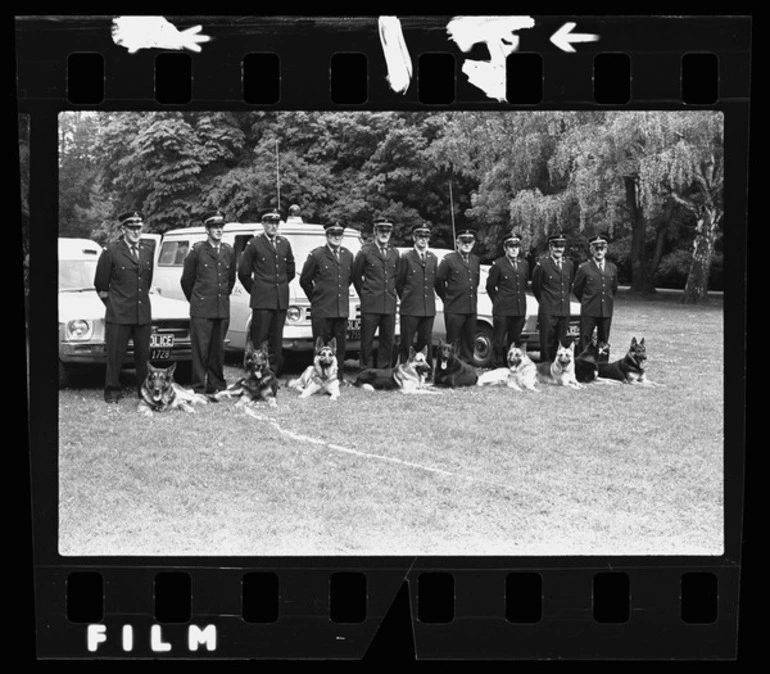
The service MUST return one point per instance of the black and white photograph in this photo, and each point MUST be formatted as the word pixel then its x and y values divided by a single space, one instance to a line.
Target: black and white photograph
pixel 386 333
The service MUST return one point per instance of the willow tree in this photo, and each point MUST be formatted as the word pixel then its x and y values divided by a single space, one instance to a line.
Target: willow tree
pixel 633 170
pixel 690 171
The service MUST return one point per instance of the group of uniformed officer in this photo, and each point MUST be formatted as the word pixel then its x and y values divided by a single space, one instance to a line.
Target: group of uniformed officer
pixel 383 279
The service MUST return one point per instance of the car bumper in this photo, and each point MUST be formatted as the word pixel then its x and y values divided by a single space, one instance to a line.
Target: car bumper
pixel 96 353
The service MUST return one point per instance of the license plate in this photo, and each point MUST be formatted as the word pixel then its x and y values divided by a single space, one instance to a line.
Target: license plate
pixel 160 354
pixel 573 331
pixel 354 329
pixel 160 341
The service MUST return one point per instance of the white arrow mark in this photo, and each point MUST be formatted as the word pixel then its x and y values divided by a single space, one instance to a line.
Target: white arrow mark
pixel 563 37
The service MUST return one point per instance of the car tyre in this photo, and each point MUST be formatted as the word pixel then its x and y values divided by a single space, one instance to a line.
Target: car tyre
pixel 483 346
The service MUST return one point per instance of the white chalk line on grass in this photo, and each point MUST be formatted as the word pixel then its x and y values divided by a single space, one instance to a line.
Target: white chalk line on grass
pixel 369 455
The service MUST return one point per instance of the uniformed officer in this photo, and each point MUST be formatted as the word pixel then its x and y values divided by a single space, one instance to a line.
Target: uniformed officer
pixel 265 270
pixel 325 279
pixel 122 280
pixel 506 287
pixel 207 280
pixel 375 270
pixel 595 286
pixel 551 285
pixel 457 281
pixel 416 289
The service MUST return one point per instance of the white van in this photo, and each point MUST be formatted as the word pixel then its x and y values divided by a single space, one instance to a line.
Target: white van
pixel 303 236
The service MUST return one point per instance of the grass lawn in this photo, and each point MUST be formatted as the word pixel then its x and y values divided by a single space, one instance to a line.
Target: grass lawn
pixel 480 471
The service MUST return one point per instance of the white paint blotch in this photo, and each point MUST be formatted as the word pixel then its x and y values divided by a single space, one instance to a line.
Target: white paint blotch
pixel 499 35
pixel 397 59
pixel 154 32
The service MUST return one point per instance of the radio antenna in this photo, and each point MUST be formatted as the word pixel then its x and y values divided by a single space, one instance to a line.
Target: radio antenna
pixel 452 205
pixel 277 176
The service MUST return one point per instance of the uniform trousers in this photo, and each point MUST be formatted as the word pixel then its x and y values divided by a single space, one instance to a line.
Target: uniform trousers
pixel 267 325
pixel 422 327
pixel 116 336
pixel 587 325
pixel 207 339
pixel 386 325
pixel 506 330
pixel 461 330
pixel 553 331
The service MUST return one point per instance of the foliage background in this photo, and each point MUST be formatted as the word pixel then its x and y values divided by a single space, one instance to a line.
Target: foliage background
pixel 652 180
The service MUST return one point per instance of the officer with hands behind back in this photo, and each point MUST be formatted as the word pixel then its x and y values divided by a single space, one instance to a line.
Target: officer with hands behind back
pixel 207 281
pixel 122 280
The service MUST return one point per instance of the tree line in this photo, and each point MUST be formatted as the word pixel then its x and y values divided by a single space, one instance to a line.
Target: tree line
pixel 653 181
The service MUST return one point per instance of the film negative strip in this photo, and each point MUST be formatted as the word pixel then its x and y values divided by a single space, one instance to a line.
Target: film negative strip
pixel 591 519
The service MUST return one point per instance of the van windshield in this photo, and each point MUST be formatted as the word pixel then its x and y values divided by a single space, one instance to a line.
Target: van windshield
pixel 76 275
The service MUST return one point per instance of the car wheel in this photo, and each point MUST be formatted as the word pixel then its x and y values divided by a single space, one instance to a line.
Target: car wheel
pixel 483 346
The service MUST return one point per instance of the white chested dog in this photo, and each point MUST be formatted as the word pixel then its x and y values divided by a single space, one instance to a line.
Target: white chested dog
pixel 520 375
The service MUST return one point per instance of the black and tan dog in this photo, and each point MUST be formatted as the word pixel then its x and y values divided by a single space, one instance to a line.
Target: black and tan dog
pixel 561 371
pixel 323 375
pixel 406 377
pixel 259 384
pixel 450 371
pixel 588 360
pixel 159 392
pixel 631 369
pixel 520 375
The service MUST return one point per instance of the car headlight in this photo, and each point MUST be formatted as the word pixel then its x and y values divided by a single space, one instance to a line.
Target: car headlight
pixel 294 314
pixel 79 330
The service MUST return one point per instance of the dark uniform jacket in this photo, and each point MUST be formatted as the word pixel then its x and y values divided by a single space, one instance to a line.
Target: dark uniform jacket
pixel 266 271
pixel 123 284
pixel 208 279
pixel 507 285
pixel 457 283
pixel 552 287
pixel 595 290
pixel 416 284
pixel 374 277
pixel 327 282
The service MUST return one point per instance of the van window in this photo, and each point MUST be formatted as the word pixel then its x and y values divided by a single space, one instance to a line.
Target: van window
pixel 173 253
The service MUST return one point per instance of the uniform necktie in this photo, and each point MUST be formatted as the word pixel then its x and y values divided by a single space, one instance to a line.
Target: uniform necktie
pixel 134 252
pixel 422 258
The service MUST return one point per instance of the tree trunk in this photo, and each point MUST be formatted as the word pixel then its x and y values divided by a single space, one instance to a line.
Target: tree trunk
pixel 696 288
pixel 640 281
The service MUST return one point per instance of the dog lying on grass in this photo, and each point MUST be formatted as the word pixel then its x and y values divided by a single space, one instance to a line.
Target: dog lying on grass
pixel 450 371
pixel 160 393
pixel 631 369
pixel 323 375
pixel 406 377
pixel 561 371
pixel 260 383
pixel 520 375
pixel 588 360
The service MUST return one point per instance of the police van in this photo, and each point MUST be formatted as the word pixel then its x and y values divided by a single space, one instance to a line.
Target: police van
pixel 173 247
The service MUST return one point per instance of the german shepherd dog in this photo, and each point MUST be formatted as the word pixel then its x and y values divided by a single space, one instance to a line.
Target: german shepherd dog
pixel 588 360
pixel 322 375
pixel 159 392
pixel 561 371
pixel 450 371
pixel 631 369
pixel 259 384
pixel 520 374
pixel 406 377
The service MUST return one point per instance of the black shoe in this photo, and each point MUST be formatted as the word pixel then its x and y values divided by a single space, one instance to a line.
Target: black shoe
pixel 111 396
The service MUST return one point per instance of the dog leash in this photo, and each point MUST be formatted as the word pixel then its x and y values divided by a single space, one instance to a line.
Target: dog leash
pixel 340 448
